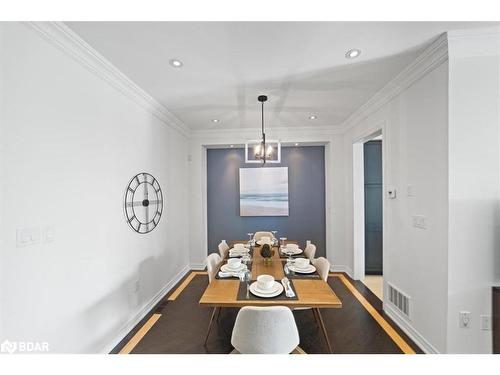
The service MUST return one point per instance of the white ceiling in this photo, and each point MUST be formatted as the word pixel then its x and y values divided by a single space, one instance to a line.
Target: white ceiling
pixel 300 65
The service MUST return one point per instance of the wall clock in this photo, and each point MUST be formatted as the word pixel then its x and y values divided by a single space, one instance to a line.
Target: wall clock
pixel 143 203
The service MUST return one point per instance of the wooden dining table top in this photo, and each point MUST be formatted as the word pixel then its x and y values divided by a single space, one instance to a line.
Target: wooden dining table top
pixel 310 292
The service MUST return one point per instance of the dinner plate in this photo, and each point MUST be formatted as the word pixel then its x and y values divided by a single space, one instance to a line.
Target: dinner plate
pixel 226 268
pixel 276 290
pixel 259 242
pixel 291 251
pixel 244 250
pixel 309 269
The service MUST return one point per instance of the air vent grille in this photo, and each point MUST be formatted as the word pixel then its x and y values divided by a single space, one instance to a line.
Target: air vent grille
pixel 400 300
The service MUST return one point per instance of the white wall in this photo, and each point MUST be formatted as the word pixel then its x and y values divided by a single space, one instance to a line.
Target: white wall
pixel 414 125
pixel 474 184
pixel 69 144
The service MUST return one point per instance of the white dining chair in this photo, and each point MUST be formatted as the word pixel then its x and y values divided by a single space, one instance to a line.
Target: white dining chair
pixel 223 249
pixel 310 251
pixel 265 330
pixel 213 261
pixel 322 267
pixel 258 235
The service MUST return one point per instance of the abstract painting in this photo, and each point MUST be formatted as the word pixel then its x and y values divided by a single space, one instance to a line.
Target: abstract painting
pixel 264 191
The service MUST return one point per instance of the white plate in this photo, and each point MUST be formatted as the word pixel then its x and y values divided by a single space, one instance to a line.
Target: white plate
pixel 309 269
pixel 244 250
pixel 291 251
pixel 226 268
pixel 276 290
pixel 262 243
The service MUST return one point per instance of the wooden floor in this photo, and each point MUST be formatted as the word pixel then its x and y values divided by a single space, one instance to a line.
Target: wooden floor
pixel 178 324
pixel 376 284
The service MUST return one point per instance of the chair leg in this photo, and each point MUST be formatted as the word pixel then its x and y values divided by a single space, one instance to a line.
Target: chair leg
pixel 298 350
pixel 210 325
pixel 218 314
pixel 324 330
pixel 316 318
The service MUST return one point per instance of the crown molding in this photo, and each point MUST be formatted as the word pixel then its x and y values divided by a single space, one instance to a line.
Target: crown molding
pixel 430 58
pixel 481 32
pixel 73 45
pixel 276 132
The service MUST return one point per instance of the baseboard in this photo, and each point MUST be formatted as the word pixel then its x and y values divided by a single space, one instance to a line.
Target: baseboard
pixel 412 333
pixel 145 310
pixel 340 268
pixel 197 266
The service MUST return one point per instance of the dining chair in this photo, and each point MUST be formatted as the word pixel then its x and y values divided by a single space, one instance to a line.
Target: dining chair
pixel 265 330
pixel 258 235
pixel 213 261
pixel 310 251
pixel 223 249
pixel 322 267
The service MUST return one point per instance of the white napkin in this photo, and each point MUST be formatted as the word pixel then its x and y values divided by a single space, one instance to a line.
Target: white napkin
pixel 288 289
pixel 228 274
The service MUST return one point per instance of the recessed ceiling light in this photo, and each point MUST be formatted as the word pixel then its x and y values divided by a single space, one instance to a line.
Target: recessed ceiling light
pixel 176 63
pixel 313 117
pixel 232 146
pixel 215 120
pixel 352 53
pixel 296 144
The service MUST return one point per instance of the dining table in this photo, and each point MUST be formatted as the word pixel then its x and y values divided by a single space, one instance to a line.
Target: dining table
pixel 311 291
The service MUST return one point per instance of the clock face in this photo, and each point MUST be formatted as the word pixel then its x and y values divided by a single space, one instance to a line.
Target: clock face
pixel 143 203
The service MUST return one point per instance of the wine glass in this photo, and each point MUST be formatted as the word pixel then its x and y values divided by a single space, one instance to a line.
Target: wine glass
pixel 275 240
pixel 250 236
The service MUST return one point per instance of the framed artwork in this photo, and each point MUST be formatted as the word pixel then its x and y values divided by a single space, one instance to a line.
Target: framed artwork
pixel 264 191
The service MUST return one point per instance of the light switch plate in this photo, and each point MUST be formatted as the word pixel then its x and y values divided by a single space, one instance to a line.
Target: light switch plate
pixel 28 236
pixel 48 233
pixel 485 321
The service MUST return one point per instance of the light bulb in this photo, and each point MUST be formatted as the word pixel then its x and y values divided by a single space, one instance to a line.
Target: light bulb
pixel 269 150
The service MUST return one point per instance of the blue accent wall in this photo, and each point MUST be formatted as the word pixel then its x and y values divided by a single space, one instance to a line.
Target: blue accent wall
pixel 306 194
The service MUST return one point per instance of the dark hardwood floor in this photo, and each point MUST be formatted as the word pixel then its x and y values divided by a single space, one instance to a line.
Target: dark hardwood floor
pixel 183 323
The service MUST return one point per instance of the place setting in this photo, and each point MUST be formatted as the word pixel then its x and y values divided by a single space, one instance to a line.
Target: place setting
pixel 266 287
pixel 290 251
pixel 239 250
pixel 300 268
pixel 233 268
pixel 265 240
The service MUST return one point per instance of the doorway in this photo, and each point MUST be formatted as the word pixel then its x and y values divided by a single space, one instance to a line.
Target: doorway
pixel 368 212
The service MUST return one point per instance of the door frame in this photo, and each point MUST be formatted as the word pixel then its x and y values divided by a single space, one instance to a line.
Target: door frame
pixel 358 190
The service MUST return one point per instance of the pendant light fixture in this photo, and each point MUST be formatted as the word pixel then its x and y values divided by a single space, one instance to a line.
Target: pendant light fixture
pixel 262 150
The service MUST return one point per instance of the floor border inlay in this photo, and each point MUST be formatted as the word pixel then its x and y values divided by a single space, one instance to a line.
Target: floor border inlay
pixel 391 332
pixel 388 329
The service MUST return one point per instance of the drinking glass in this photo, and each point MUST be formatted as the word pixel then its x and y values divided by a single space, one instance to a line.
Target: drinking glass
pixel 250 235
pixel 275 240
pixel 282 241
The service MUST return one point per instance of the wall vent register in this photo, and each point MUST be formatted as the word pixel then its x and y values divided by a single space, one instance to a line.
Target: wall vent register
pixel 399 300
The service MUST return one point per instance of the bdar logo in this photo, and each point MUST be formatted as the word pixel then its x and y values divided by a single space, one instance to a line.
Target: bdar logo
pixel 8 347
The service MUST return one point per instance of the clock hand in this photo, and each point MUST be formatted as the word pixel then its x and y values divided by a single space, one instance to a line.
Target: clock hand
pixel 134 204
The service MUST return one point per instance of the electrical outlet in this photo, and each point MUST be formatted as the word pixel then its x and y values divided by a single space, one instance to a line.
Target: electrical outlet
pixel 485 322
pixel 464 319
